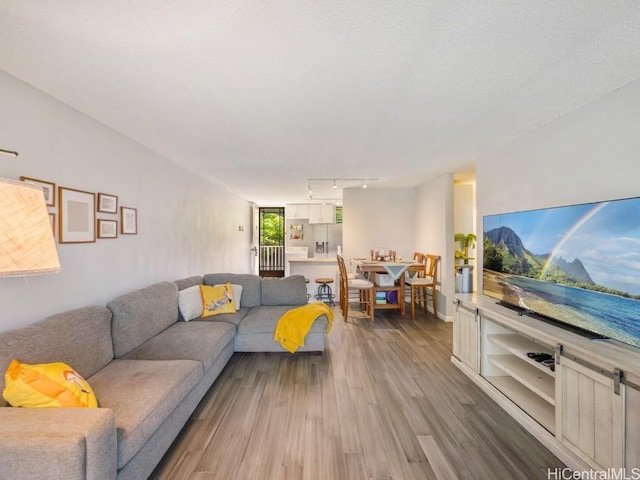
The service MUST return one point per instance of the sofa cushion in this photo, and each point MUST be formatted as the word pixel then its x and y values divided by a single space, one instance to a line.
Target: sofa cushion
pixel 284 291
pixel 142 394
pixel 201 341
pixel 140 315
pixel 232 318
pixel 184 283
pixel 264 320
pixel 80 338
pixel 251 285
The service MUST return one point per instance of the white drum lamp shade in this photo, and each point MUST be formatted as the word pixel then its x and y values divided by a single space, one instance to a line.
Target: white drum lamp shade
pixel 27 246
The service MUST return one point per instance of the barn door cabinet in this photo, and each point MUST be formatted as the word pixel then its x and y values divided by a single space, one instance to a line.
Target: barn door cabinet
pixel 590 417
pixel 584 405
pixel 465 336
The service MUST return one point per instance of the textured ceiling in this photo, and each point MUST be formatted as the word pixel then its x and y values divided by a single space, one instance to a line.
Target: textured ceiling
pixel 265 94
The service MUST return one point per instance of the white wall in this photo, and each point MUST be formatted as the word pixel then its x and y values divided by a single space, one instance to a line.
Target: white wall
pixel 186 226
pixel 434 234
pixel 464 218
pixel 378 218
pixel 590 154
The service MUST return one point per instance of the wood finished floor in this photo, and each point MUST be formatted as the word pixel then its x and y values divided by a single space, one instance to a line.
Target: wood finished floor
pixel 382 402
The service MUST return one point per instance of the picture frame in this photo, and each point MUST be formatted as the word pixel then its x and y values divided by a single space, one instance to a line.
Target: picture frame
pixel 296 226
pixel 52 221
pixel 77 216
pixel 48 188
pixel 107 203
pixel 128 221
pixel 107 228
pixel 295 236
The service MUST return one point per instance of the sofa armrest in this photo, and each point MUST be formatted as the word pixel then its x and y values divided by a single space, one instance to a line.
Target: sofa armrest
pixel 44 443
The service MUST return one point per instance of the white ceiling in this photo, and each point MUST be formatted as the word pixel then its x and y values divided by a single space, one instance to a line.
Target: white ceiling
pixel 265 94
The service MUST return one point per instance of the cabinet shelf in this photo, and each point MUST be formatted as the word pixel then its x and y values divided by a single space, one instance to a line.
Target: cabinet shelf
pixel 536 407
pixel 528 375
pixel 520 346
pixel 387 289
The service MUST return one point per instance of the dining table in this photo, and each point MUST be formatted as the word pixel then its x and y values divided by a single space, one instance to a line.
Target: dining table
pixel 396 270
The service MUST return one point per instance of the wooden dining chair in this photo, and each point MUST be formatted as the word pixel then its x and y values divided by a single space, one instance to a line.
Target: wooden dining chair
pixel 423 284
pixel 350 286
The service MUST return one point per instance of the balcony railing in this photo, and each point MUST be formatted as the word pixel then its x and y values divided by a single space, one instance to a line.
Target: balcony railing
pixel 272 258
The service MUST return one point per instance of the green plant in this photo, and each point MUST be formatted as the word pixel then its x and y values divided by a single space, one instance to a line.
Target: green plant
pixel 465 241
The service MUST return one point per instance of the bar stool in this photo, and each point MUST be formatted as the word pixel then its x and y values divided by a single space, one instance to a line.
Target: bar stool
pixel 306 280
pixel 324 290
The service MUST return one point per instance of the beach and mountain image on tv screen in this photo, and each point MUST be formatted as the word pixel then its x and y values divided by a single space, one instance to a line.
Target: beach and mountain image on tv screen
pixel 578 265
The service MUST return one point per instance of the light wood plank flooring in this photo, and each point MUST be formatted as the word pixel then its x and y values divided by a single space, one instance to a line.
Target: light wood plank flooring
pixel 382 402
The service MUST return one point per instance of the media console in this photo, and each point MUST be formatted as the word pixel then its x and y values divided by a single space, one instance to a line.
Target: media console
pixel 584 405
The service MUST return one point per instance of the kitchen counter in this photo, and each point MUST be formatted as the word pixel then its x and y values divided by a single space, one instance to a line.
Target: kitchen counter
pixel 313 260
pixel 313 268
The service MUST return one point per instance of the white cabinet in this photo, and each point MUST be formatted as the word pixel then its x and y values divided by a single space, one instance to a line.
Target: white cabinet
pixel 632 435
pixel 294 211
pixel 321 214
pixel 584 405
pixel 465 336
pixel 591 418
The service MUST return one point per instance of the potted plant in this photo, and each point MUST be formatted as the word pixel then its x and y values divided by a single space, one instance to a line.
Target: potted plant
pixel 465 241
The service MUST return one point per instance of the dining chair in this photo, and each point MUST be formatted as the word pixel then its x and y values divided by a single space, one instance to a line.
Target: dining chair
pixel 423 284
pixel 418 257
pixel 352 271
pixel 350 286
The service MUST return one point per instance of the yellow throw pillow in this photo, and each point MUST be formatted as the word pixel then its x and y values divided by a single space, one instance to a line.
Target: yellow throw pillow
pixel 217 300
pixel 46 385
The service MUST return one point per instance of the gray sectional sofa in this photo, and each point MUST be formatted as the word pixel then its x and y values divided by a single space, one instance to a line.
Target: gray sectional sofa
pixel 148 368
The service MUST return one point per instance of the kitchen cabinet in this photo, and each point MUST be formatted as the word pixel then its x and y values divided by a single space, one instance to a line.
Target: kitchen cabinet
pixel 293 211
pixel 321 214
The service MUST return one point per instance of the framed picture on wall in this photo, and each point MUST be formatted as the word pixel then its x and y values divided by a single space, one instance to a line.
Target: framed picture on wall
pixel 48 188
pixel 107 228
pixel 107 203
pixel 77 212
pixel 128 221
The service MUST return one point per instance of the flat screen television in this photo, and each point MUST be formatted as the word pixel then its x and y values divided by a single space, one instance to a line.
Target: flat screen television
pixel 576 265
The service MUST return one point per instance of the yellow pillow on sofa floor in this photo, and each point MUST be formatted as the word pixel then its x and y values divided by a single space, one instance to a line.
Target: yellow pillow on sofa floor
pixel 46 385
pixel 217 300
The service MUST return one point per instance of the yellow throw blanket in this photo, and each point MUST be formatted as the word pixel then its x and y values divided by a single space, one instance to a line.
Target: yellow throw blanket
pixel 295 324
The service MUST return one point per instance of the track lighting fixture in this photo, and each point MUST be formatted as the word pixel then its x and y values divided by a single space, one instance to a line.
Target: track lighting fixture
pixel 8 152
pixel 334 182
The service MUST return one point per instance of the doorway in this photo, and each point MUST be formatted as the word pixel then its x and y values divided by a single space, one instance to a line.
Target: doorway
pixel 271 242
